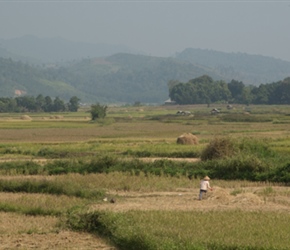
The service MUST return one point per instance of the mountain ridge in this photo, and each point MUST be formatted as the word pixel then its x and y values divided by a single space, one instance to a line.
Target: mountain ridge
pixel 57 49
pixel 124 77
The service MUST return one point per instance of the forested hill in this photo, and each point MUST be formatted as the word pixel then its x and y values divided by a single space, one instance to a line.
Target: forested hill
pixel 127 78
pixel 17 78
pixel 121 78
pixel 250 69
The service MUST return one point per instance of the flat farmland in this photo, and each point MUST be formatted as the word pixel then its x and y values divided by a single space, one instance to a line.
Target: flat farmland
pixel 160 123
pixel 37 219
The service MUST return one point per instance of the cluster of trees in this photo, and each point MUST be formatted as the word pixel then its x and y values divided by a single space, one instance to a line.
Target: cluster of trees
pixel 38 104
pixel 204 90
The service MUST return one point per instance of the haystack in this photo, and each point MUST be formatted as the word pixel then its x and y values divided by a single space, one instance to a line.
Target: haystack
pixel 247 199
pixel 25 117
pixel 56 117
pixel 219 194
pixel 188 139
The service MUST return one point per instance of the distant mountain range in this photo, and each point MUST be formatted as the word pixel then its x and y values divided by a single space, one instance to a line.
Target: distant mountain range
pixel 115 74
pixel 51 50
pixel 250 69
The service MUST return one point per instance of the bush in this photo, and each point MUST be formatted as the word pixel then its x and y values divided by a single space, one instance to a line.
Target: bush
pixel 98 111
pixel 281 174
pixel 256 147
pixel 219 148
pixel 21 167
pixel 239 168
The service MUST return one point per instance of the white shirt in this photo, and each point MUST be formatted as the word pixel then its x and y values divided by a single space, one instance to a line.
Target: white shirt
pixel 204 185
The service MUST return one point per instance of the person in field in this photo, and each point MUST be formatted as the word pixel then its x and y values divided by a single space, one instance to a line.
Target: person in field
pixel 204 186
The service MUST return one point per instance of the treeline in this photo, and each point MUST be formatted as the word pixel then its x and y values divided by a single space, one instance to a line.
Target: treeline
pixel 204 90
pixel 37 104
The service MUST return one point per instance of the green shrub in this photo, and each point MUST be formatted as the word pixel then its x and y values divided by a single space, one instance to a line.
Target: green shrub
pixel 102 165
pixel 21 167
pixel 12 150
pixel 193 153
pixel 63 167
pixel 223 147
pixel 281 174
pixel 52 153
pixel 219 148
pixel 239 168
pixel 46 152
pixel 258 147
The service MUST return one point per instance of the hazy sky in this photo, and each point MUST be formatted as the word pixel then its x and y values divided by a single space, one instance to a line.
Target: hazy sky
pixel 158 28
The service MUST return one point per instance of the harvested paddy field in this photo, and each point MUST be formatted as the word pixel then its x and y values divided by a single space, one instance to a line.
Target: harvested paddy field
pixel 42 232
pixel 248 199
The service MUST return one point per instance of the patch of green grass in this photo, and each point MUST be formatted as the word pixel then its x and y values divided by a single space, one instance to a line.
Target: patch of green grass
pixel 245 118
pixel 237 191
pixel 187 230
pixel 38 204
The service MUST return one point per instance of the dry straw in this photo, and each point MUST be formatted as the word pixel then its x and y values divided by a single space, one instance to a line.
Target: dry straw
pixel 187 139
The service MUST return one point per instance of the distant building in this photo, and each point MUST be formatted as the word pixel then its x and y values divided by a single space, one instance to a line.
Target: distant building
pixel 214 111
pixel 18 92
pixel 181 112
pixel 169 102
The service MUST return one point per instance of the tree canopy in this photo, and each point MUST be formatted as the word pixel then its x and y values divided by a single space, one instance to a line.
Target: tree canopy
pixel 204 90
pixel 38 104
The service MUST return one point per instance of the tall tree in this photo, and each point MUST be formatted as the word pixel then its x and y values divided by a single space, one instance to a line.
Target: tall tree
pixel 40 103
pixel 236 88
pixel 48 104
pixel 58 105
pixel 73 104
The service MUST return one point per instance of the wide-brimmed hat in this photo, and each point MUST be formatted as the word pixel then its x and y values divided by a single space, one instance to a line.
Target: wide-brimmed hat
pixel 206 178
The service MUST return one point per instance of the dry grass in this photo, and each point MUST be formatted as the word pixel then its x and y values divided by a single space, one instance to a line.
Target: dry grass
pixel 131 193
pixel 219 199
pixel 187 139
pixel 46 202
pixel 37 232
pixel 17 224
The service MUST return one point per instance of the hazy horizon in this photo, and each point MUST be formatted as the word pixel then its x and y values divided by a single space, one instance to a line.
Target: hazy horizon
pixel 157 28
